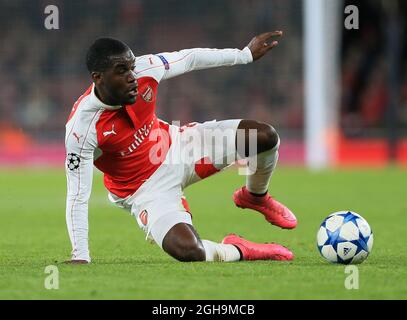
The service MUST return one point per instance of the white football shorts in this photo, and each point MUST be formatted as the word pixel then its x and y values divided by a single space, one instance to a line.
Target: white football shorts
pixel 197 151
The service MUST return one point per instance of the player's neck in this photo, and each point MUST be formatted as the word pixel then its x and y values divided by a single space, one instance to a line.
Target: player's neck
pixel 104 97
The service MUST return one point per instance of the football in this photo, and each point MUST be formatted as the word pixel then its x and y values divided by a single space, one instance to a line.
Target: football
pixel 345 237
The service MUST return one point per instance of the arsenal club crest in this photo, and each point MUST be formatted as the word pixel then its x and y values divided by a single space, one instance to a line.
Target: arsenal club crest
pixel 143 217
pixel 148 94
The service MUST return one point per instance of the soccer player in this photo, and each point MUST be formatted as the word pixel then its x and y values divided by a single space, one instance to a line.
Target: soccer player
pixel 147 162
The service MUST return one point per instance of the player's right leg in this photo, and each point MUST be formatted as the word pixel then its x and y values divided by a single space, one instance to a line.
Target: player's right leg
pixel 167 222
pixel 183 243
pixel 162 212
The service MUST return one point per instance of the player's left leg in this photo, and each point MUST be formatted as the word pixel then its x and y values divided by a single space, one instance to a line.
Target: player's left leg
pixel 261 162
pixel 169 213
pixel 223 142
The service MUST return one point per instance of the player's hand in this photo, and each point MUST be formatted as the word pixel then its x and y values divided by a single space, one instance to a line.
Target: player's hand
pixel 76 262
pixel 263 43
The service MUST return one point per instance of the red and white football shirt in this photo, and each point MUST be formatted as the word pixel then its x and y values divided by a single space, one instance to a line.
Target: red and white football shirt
pixel 127 143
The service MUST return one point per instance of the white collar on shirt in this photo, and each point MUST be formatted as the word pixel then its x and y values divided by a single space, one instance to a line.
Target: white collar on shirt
pixel 94 100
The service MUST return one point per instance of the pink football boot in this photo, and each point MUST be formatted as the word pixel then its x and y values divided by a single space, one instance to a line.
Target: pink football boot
pixel 259 251
pixel 274 212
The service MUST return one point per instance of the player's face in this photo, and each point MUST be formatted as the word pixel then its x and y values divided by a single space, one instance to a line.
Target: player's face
pixel 119 80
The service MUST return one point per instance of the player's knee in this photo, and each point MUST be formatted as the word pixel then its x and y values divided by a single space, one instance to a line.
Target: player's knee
pixel 184 248
pixel 183 243
pixel 267 137
pixel 189 252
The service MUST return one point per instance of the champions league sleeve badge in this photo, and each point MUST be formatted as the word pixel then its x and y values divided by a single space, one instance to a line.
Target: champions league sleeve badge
pixel 73 161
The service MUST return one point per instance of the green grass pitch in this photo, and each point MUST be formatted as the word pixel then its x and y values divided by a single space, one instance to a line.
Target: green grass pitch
pixel 33 235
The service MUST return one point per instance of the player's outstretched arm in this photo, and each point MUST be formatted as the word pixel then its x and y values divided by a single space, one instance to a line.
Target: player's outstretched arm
pixel 167 65
pixel 263 43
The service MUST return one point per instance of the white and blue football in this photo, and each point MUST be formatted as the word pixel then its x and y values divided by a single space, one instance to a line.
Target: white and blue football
pixel 345 237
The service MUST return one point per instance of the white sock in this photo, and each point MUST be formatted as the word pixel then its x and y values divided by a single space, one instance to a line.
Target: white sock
pixel 263 166
pixel 220 252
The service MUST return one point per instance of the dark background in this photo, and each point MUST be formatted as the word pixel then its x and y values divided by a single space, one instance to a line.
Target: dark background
pixel 42 72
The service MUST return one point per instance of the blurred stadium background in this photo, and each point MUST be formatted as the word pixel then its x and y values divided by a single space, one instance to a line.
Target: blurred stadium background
pixel 43 72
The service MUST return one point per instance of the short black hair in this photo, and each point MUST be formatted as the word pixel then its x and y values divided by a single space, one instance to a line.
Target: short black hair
pixel 99 53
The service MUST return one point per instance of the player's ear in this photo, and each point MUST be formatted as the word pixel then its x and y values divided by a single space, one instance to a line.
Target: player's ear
pixel 96 77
